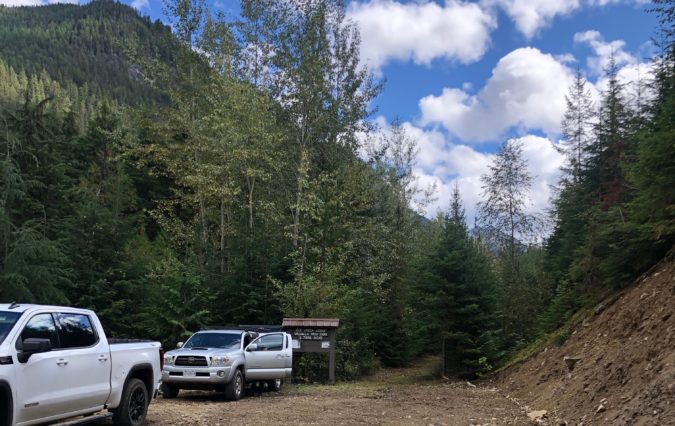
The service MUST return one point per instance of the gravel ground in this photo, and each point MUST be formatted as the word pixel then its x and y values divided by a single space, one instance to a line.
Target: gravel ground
pixel 394 397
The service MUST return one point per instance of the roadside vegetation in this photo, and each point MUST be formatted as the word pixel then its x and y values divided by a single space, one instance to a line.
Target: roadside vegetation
pixel 237 178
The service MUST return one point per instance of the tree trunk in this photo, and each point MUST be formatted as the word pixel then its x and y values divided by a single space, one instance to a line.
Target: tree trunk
pixel 222 236
pixel 302 169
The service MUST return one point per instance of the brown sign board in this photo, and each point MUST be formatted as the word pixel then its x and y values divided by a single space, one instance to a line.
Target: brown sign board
pixel 314 335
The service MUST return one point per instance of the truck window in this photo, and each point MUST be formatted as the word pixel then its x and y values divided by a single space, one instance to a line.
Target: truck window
pixel 76 331
pixel 214 340
pixel 272 342
pixel 7 321
pixel 41 326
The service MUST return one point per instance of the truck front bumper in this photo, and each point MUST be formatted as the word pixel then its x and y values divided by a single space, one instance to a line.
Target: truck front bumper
pixel 196 377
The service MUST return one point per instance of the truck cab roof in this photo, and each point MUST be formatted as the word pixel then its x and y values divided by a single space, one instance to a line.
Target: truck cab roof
pixel 21 308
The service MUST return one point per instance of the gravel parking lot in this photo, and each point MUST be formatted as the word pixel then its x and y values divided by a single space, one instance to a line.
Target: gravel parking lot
pixel 391 397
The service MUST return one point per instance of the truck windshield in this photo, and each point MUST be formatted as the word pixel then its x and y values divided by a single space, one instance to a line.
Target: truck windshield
pixel 7 321
pixel 214 340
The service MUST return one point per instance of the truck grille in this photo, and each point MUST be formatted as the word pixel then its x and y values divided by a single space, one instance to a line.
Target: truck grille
pixel 191 361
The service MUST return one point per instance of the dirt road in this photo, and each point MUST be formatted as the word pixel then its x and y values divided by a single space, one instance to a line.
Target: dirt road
pixel 394 397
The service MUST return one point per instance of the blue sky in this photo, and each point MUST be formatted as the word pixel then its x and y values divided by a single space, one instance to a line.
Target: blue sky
pixel 407 82
pixel 463 76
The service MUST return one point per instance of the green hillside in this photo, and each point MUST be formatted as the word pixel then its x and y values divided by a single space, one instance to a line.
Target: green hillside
pixel 87 45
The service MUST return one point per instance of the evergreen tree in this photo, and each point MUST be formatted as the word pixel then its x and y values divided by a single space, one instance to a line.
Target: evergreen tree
pixel 577 125
pixel 605 183
pixel 612 138
pixel 652 174
pixel 33 265
pixel 456 292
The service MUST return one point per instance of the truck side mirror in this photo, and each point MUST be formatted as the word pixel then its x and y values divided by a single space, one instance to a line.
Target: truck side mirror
pixel 252 347
pixel 33 346
pixel 179 345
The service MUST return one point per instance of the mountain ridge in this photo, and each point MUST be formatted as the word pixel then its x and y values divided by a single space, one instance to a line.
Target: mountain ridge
pixel 88 45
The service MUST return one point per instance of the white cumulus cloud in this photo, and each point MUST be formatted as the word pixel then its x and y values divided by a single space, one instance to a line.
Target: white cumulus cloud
pixel 632 73
pixel 140 4
pixel 444 164
pixel 603 50
pixel 532 15
pixel 421 31
pixel 17 3
pixel 544 163
pixel 526 91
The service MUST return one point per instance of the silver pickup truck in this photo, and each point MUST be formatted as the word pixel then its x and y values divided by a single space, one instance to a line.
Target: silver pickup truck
pixel 226 360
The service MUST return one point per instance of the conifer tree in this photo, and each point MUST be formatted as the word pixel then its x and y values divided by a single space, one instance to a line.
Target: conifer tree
pixel 612 138
pixel 652 175
pixel 577 125
pixel 456 291
pixel 604 183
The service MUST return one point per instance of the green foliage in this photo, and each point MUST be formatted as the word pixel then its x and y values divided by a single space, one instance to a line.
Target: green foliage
pixel 455 295
pixel 562 307
pixel 560 337
pixel 525 292
pixel 34 265
pixel 616 220
pixel 652 174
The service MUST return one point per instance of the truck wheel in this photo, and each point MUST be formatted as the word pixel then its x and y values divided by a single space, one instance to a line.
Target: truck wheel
pixel 235 388
pixel 133 405
pixel 6 407
pixel 169 391
pixel 275 385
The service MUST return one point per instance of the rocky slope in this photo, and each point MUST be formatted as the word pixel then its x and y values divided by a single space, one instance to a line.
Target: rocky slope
pixel 620 366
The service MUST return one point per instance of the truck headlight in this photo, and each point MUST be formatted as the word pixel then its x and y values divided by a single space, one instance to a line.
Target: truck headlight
pixel 168 359
pixel 220 361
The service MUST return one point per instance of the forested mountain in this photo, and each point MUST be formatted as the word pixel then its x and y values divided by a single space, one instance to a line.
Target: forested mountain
pixel 240 192
pixel 86 45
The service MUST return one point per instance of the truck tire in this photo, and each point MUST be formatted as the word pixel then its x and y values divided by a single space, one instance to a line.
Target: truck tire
pixel 133 405
pixel 169 391
pixel 6 406
pixel 235 389
pixel 275 385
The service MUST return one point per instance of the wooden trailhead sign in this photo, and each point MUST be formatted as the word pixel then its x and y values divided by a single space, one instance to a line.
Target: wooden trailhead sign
pixel 314 335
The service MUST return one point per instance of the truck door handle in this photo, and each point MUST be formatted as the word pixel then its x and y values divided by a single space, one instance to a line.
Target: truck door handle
pixel 61 361
pixel 279 356
pixel 102 358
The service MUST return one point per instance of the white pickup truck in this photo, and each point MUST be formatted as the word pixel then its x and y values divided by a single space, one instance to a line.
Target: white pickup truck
pixel 56 363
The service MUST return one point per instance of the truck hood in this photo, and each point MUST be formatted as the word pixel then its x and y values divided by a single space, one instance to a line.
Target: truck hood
pixel 202 352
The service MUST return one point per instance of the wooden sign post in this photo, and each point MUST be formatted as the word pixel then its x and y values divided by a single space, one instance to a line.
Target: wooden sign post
pixel 314 335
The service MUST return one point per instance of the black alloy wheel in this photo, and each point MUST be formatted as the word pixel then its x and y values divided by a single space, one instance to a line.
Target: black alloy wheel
pixel 133 406
pixel 137 404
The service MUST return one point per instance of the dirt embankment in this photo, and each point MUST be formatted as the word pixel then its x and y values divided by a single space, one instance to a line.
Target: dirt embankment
pixel 625 362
